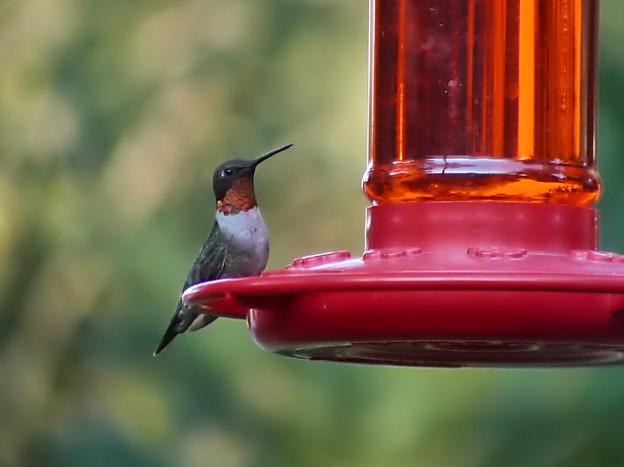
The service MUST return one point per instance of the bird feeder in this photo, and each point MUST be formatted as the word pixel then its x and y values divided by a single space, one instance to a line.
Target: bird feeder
pixel 481 241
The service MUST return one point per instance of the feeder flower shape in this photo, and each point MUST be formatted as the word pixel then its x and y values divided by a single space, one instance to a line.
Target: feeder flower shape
pixel 481 241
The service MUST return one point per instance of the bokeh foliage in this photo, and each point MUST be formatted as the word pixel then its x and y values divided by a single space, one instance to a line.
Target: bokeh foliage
pixel 112 115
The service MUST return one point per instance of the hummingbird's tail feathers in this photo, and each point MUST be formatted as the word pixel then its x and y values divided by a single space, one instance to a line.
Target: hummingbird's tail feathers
pixel 201 321
pixel 181 320
pixel 167 337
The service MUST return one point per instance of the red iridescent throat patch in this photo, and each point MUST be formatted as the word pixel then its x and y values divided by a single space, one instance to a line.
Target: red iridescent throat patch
pixel 240 197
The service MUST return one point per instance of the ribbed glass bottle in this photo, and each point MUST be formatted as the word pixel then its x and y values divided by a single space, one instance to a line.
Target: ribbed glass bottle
pixel 482 100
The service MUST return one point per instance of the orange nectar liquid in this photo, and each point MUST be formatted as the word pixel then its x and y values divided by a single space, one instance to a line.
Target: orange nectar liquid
pixel 482 100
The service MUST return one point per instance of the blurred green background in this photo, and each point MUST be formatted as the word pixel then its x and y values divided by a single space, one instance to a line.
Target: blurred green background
pixel 112 116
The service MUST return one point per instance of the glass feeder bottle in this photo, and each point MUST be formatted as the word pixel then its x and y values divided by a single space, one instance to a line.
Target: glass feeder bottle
pixel 482 100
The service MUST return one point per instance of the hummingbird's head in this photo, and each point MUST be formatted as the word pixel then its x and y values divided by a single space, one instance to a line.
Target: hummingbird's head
pixel 233 183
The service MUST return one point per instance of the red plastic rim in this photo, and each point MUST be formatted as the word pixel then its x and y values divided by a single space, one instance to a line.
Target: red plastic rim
pixel 444 284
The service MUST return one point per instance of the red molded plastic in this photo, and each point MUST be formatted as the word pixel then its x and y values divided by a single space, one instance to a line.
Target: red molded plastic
pixel 444 284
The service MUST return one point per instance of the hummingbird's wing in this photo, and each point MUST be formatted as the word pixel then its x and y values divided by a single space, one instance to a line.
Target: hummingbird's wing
pixel 208 265
pixel 210 261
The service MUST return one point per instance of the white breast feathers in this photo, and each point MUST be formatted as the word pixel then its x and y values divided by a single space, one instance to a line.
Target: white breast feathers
pixel 246 229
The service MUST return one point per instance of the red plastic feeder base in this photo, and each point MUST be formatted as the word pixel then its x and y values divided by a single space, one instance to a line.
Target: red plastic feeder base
pixel 444 284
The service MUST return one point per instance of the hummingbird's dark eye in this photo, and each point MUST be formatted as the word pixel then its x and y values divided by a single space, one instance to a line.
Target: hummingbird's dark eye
pixel 228 172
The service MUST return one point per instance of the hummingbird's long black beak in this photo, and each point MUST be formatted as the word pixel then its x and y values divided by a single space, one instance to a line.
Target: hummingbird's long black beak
pixel 264 157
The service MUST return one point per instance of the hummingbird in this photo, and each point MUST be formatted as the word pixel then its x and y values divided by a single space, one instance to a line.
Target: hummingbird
pixel 237 246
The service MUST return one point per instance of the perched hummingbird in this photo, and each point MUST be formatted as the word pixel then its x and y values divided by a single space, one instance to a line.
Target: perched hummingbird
pixel 238 244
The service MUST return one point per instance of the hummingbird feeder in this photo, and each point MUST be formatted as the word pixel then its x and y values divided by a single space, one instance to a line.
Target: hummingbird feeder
pixel 481 243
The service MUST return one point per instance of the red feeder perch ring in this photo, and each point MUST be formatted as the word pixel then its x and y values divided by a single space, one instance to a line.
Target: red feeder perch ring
pixel 481 245
pixel 495 284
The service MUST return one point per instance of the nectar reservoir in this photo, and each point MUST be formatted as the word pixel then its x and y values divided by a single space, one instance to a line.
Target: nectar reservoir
pixel 482 100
